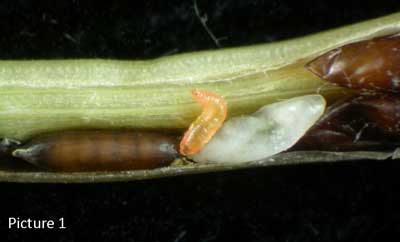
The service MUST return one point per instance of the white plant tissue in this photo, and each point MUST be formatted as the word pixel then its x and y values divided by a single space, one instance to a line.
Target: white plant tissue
pixel 272 129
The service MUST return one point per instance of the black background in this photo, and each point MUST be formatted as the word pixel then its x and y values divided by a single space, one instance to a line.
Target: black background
pixel 323 202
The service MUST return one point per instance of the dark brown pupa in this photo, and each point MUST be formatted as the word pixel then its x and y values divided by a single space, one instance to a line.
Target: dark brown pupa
pixel 100 150
pixel 363 122
pixel 370 65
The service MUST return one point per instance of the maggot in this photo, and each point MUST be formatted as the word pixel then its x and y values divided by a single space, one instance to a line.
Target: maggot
pixel 207 123
pixel 274 128
pixel 370 64
pixel 100 150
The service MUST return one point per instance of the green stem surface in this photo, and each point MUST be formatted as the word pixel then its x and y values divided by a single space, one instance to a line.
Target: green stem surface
pixel 46 95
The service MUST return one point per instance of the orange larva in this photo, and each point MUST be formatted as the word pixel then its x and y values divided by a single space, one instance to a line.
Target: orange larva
pixel 100 150
pixel 206 125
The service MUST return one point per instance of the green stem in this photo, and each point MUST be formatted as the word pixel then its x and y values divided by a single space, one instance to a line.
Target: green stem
pixel 45 95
